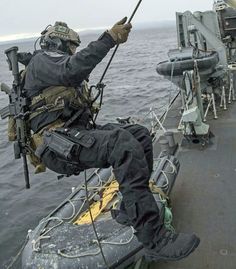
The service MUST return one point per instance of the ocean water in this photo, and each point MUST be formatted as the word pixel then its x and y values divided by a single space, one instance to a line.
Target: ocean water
pixel 132 87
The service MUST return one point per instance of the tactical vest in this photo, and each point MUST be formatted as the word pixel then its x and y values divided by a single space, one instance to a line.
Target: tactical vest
pixel 60 98
pixel 54 98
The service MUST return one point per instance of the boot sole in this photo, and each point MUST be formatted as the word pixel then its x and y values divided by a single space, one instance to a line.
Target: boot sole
pixel 156 258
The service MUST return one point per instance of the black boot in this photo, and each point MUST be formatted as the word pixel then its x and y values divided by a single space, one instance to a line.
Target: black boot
pixel 171 246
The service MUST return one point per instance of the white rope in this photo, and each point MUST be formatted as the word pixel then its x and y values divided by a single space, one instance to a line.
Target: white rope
pixel 164 172
pixel 36 243
pixel 44 234
pixel 73 210
pixel 140 120
pixel 172 165
pixel 79 255
pixel 121 243
pixel 99 177
pixel 98 188
pixel 84 254
pixel 170 90
pixel 167 180
pixel 159 122
pixel 49 219
pixel 79 211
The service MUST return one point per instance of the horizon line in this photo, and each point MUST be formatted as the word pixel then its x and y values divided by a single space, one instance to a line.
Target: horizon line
pixel 23 36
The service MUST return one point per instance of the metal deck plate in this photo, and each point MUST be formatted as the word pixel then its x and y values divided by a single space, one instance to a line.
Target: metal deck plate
pixel 204 199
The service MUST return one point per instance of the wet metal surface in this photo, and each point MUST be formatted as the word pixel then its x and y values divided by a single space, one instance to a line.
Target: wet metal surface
pixel 204 198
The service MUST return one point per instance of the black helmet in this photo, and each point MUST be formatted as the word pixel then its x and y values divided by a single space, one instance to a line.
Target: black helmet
pixel 59 37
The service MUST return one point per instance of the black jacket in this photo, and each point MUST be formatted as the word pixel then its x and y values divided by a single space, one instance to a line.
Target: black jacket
pixel 53 68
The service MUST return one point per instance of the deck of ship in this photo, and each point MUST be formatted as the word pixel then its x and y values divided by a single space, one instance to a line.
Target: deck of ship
pixel 204 197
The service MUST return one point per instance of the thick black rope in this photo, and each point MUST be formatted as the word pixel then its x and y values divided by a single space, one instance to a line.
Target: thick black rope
pixel 117 46
pixel 112 56
pixel 101 98
pixel 93 224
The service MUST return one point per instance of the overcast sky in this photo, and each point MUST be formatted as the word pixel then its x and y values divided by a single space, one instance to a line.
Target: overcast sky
pixel 31 16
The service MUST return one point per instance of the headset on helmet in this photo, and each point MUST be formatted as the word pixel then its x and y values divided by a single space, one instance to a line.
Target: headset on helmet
pixel 58 37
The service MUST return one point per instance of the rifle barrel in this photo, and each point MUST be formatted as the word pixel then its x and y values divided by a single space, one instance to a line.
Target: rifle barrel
pixel 26 171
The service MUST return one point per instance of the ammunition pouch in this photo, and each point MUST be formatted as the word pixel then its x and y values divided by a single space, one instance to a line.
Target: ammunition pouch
pixel 35 141
pixel 60 98
pixel 11 130
pixel 61 148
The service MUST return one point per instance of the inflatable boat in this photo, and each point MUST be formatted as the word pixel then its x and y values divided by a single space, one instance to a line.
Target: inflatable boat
pixel 206 62
pixel 66 238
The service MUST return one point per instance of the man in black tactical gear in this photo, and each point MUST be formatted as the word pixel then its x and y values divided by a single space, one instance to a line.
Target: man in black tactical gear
pixel 61 103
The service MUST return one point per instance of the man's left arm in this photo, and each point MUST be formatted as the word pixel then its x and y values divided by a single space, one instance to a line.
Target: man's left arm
pixel 83 62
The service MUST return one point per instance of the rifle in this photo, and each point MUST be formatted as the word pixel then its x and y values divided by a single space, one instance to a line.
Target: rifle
pixel 17 111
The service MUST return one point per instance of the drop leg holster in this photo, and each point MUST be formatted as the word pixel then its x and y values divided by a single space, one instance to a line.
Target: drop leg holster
pixel 59 148
pixel 57 143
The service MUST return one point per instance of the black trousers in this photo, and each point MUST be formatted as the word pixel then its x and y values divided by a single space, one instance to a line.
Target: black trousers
pixel 128 149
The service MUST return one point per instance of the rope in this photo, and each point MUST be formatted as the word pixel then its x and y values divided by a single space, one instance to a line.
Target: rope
pixel 110 60
pixel 99 177
pixel 168 107
pixel 170 91
pixel 158 121
pixel 163 117
pixel 18 253
pixel 79 211
pixel 108 194
pixel 155 189
pixel 44 234
pixel 169 97
pixel 173 167
pixel 98 189
pixel 79 255
pixel 165 201
pixel 100 204
pixel 121 243
pixel 84 254
pixel 93 224
pixel 73 210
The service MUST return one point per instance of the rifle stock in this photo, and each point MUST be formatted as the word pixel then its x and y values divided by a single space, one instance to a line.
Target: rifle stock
pixel 5 88
pixel 5 112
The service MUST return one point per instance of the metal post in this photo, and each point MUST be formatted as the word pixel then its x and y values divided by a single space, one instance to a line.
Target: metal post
pixel 223 99
pixel 208 106
pixel 214 106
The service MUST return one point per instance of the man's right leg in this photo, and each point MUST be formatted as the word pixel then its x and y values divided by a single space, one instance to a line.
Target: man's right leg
pixel 141 134
pixel 119 149
pixel 124 153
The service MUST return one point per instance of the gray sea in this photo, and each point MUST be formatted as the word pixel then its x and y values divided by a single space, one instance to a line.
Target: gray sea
pixel 132 87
